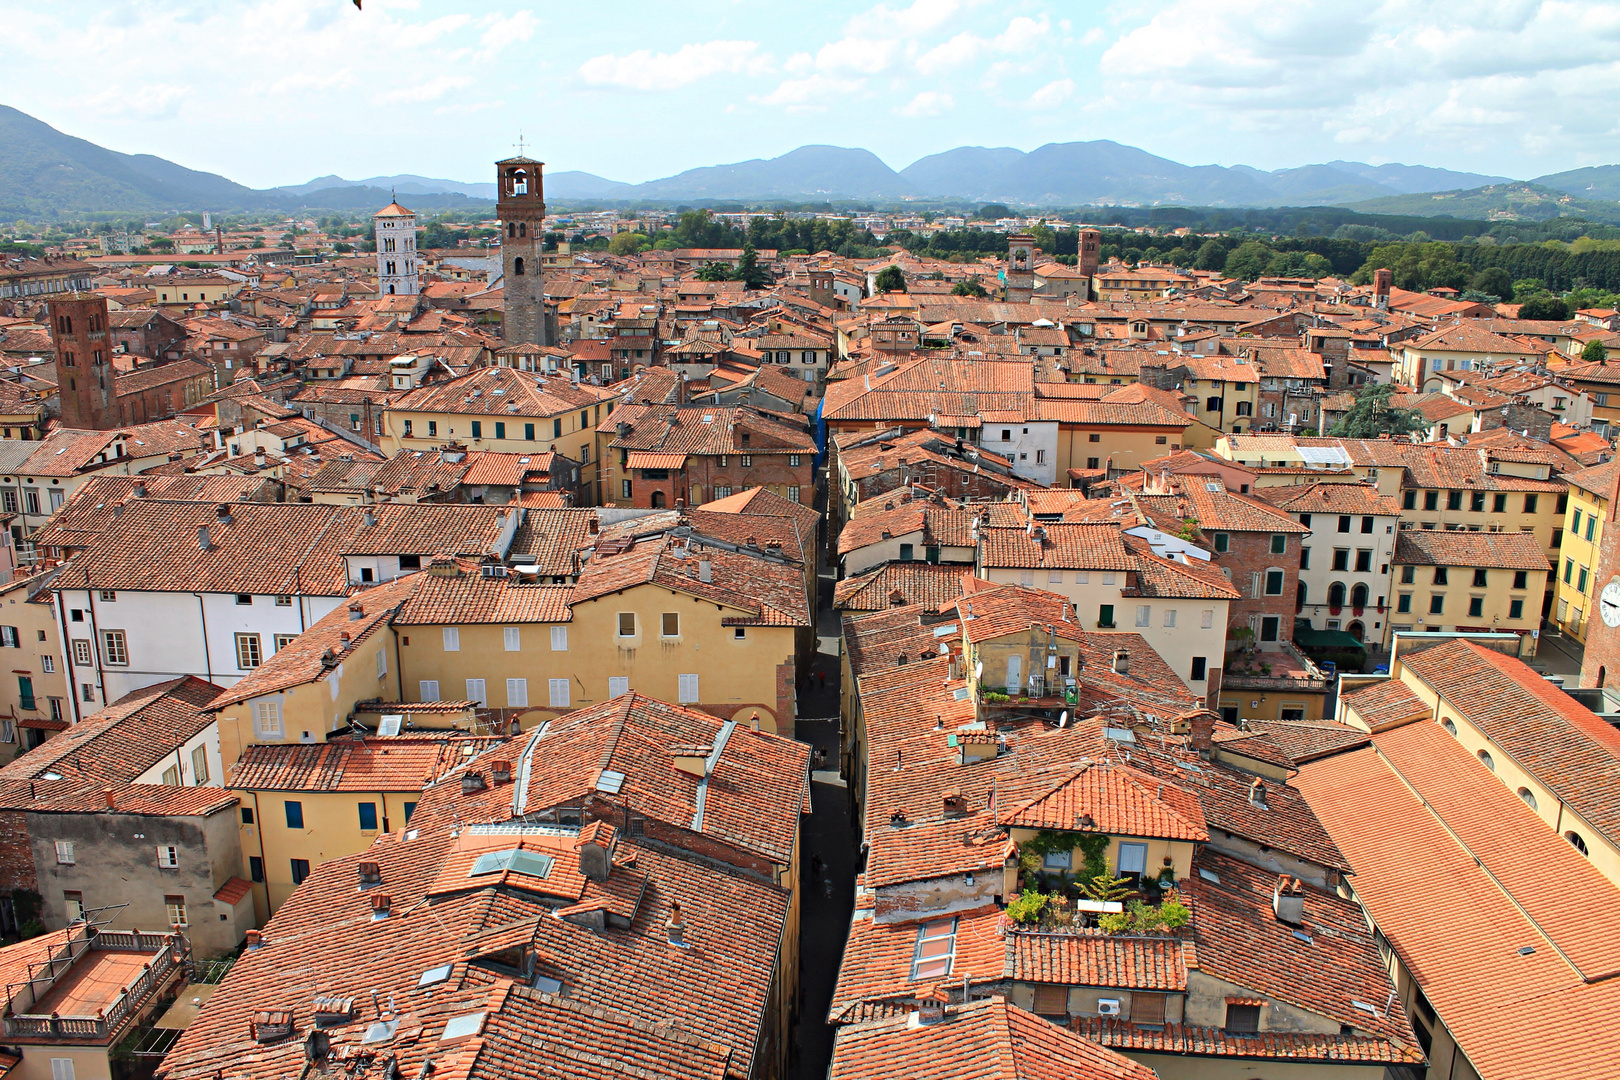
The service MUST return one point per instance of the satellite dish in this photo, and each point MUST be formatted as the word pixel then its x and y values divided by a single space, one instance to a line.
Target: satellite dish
pixel 978 670
pixel 1063 720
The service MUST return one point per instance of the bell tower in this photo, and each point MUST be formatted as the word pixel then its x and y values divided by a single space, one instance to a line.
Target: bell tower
pixel 395 228
pixel 1020 268
pixel 521 207
pixel 84 368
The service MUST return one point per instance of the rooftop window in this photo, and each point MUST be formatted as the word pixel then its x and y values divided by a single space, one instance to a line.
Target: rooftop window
pixel 936 948
pixel 517 860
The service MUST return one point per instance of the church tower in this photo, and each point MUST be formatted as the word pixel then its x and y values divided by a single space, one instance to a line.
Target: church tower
pixel 84 369
pixel 395 228
pixel 521 207
pixel 1020 268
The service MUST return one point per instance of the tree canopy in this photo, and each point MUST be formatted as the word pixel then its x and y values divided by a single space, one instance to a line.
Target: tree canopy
pixel 1372 415
pixel 970 287
pixel 890 279
pixel 1594 352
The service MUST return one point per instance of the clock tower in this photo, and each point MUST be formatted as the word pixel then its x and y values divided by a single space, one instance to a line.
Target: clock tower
pixel 521 207
pixel 1601 665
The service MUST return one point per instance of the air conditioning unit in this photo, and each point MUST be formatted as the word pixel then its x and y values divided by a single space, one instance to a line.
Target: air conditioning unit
pixel 1108 1006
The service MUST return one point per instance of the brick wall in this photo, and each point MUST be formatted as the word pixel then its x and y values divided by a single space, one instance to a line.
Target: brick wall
pixel 16 855
pixel 953 482
pixel 1249 554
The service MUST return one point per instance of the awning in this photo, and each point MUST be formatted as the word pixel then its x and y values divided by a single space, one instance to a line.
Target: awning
pixel 1327 640
pixel 645 460
pixel 40 723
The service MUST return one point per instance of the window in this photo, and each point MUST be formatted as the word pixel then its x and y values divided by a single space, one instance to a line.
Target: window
pixel 1575 841
pixel 1437 604
pixel 1274 582
pixel 1528 796
pixel 1223 542
pixel 793 493
pixel 1440 575
pixel 249 653
pixel 1409 502
pixel 476 692
pixel 672 624
pixel 1403 603
pixel 256 868
pixel 1569 570
pixel 1144 615
pixel 517 693
pixel 477 429
pixel 624 489
pixel 687 689
pixel 556 428
pixel 407 429
pixel 368 817
pixel 1057 860
pixel 1580 580
pixel 1270 626
pixel 199 765
pixel 528 432
pixel 171 776
pixel 1242 1018
pixel 168 856
pixel 295 814
pixel 1052 1001
pixel 1431 500
pixel 1200 669
pixel 1132 859
pixel 1279 543
pixel 1147 1009
pixel 300 871
pixel 286 601
pixel 1304 558
pixel 1341 558
pixel 1454 500
pixel 82 657
pixel 627 624
pixel 1093 437
pixel 74 902
pixel 1530 504
pixel 428 689
pixel 935 949
pixel 1207 619
pixel 1170 617
pixel 559 639
pixel 1476 606
pixel 410 808
pixel 87 691
pixel 382 662
pixel 1480 577
pixel 1515 609
pixel 433 428
pixel 1499 503
pixel 1344 523
pixel 1486 760
pixel 452 639
pixel 62 1069
pixel 244 599
pixel 617 685
pixel 267 719
pixel 64 853
pixel 907 552
pixel 1105 617
pixel 512 638
pixel 1367 525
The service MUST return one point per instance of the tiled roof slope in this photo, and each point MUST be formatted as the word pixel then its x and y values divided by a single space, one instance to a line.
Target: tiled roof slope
pixel 1550 734
pixel 125 739
pixel 382 764
pixel 1509 882
pixel 492 391
pixel 763 592
pixel 1503 550
pixel 932 586
pixel 982 1040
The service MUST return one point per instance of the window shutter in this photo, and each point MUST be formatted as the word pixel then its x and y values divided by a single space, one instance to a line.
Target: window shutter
pixel 559 639
pixel 1147 1008
pixel 428 689
pixel 1052 1000
pixel 475 692
pixel 688 685
pixel 452 639
pixel 62 1069
pixel 559 693
pixel 382 662
pixel 618 684
pixel 513 637
pixel 517 693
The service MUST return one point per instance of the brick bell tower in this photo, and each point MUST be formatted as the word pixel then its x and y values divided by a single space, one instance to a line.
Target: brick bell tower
pixel 1600 665
pixel 521 207
pixel 84 369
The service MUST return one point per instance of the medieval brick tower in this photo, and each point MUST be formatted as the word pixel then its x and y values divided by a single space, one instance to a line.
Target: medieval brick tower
pixel 1090 256
pixel 1020 268
pixel 521 207
pixel 395 228
pixel 84 370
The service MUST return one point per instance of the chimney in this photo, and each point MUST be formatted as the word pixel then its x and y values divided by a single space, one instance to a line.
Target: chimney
pixel 370 517
pixel 253 939
pixel 675 928
pixel 357 611
pixel 931 1006
pixel 343 639
pixel 1122 662
pixel 223 513
pixel 501 772
pixel 1202 727
pixel 595 846
pixel 1288 900
pixel 705 570
pixel 380 904
pixel 258 457
pixel 202 538
pixel 592 525
pixel 140 489
pixel 472 782
pixel 955 804
pixel 112 799
pixel 1257 793
pixel 370 873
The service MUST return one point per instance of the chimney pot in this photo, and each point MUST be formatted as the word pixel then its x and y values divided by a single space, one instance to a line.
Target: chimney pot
pixel 381 903
pixel 112 799
pixel 202 538
pixel 1122 662
pixel 223 513
pixel 357 611
pixel 1257 792
pixel 675 928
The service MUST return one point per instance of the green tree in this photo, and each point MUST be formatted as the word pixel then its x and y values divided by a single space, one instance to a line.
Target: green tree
pixel 1544 306
pixel 994 211
pixel 1493 281
pixel 1248 260
pixel 715 271
pixel 1104 888
pixel 890 279
pixel 1211 256
pixel 1594 352
pixel 970 287
pixel 750 273
pixel 1372 415
pixel 626 243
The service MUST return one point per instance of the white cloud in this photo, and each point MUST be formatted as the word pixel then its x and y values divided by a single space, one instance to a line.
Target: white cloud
pixel 921 17
pixel 647 70
pixel 1052 95
pixel 814 93
pixel 867 56
pixel 1023 35
pixel 431 90
pixel 927 103
pixel 1094 36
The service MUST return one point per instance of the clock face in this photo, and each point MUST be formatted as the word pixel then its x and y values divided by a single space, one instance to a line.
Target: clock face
pixel 1609 603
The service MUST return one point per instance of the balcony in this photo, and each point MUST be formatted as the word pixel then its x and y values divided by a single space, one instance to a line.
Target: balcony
pixel 89 986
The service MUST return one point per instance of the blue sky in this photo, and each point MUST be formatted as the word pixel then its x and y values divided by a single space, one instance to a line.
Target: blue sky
pixel 280 91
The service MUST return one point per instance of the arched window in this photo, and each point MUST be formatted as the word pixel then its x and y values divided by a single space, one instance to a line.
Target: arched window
pixel 1528 796
pixel 1575 841
pixel 1299 601
pixel 517 267
pixel 1486 760
pixel 1356 630
pixel 1358 597
pixel 66 324
pixel 523 228
pixel 511 228
pixel 1451 729
pixel 1336 595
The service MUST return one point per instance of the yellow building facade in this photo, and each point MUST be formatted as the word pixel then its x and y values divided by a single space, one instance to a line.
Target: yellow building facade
pixel 1575 584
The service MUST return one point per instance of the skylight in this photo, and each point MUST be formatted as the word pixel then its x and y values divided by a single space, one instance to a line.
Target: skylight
pixel 936 948
pixel 610 782
pixel 380 1032
pixel 945 631
pixel 530 863
pixel 434 975
pixel 547 985
pixel 460 1027
pixel 1209 875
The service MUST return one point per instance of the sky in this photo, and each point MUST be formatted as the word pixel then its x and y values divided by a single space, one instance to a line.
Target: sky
pixel 272 92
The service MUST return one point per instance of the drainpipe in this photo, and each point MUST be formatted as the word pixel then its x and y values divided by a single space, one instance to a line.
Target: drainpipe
pixel 95 643
pixel 208 663
pixel 67 657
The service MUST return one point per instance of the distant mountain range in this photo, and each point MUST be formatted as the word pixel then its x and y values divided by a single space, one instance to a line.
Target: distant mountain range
pixel 45 173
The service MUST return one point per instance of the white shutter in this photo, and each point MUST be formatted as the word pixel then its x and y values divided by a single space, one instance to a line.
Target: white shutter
pixel 688 685
pixel 428 689
pixel 452 639
pixel 559 693
pixel 64 852
pixel 382 662
pixel 62 1069
pixel 1209 618
pixel 517 693
pixel 559 639
pixel 1170 617
pixel 267 718
pixel 618 684
pixel 1144 615
pixel 168 856
pixel 475 692
pixel 514 638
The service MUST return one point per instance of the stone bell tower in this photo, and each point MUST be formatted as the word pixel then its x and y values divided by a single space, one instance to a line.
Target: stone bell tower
pixel 521 207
